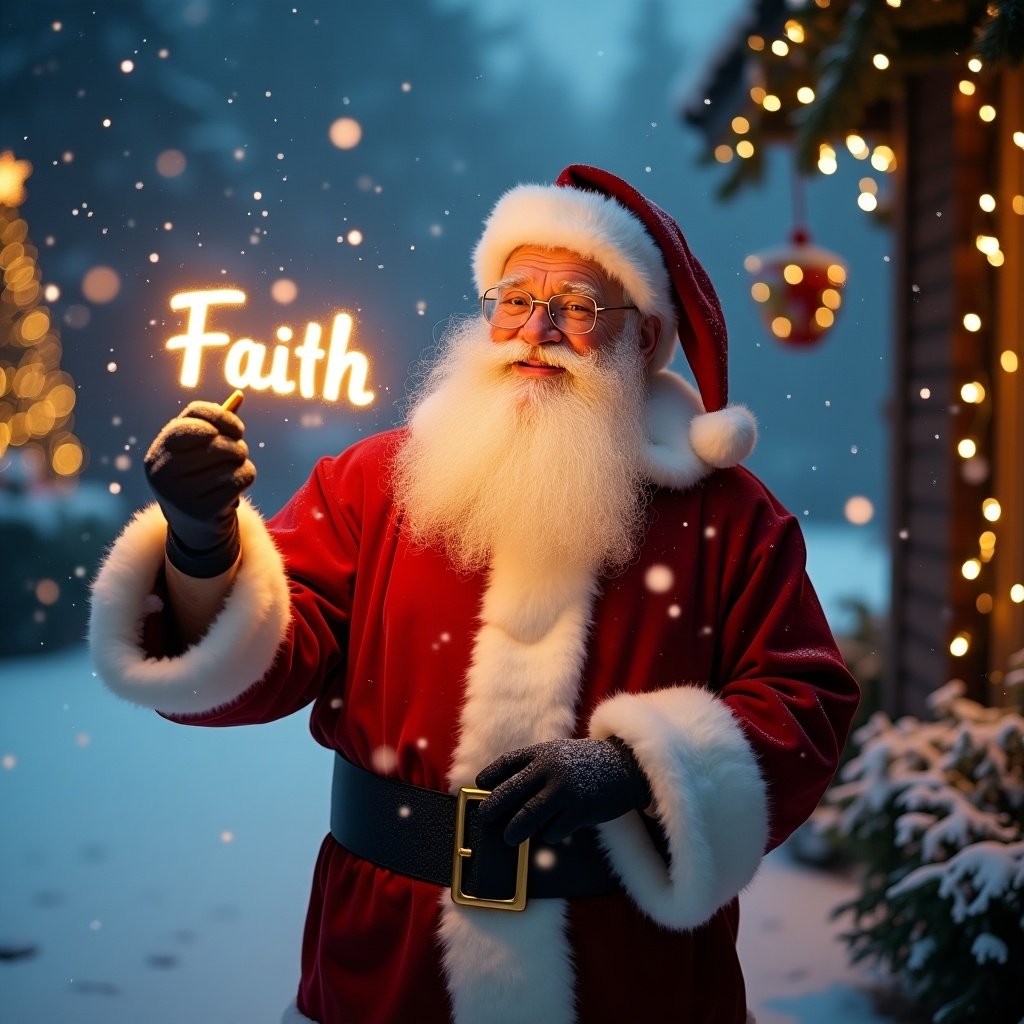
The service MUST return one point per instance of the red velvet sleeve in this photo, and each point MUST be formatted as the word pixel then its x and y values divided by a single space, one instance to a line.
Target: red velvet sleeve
pixel 779 669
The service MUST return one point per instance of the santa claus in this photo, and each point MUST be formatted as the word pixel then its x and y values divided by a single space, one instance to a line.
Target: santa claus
pixel 563 645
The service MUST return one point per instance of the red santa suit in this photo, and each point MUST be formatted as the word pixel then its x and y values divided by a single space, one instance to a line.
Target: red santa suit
pixel 709 655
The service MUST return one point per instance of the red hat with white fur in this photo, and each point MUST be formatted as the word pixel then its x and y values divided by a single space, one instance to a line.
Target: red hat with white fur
pixel 603 218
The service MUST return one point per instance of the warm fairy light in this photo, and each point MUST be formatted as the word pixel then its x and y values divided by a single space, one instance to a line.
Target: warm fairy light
pixel 1008 361
pixel 972 322
pixel 760 292
pixel 756 43
pixel 1017 203
pixel 745 149
pixel 859 510
pixel 967 87
pixel 868 185
pixel 974 64
pixel 794 31
pixel 967 448
pixel 836 273
pixel 960 645
pixel 984 603
pixel 771 103
pixel 67 458
pixel 991 510
pixel 752 264
pixel 723 153
pixel 1017 593
pixel 12 178
pixel 793 273
pixel 973 392
pixel 805 94
pixel 345 133
pixel 1018 138
pixel 244 358
pixel 893 3
pixel 883 158
pixel 880 61
pixel 824 317
pixel 101 284
pixel 780 47
pixel 867 202
pixel 127 66
pixel 781 327
pixel 284 291
pixel 740 125
pixel 987 244
pixel 354 237
pixel 971 569
pixel 987 112
pixel 996 259
pixel 987 541
pixel 757 94
pixel 857 146
pixel 827 159
pixel 831 298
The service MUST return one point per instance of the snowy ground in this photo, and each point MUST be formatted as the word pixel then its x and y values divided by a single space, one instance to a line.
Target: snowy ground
pixel 159 873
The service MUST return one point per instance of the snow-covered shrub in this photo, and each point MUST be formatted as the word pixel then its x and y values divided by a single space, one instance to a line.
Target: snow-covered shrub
pixel 935 811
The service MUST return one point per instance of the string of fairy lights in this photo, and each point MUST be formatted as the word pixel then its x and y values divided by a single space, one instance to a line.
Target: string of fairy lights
pixel 785 84
pixel 974 393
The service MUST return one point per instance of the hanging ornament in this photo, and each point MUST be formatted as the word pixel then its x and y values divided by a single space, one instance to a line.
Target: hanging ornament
pixel 798 286
pixel 799 289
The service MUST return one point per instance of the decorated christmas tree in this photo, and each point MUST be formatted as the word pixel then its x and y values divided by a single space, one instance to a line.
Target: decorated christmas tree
pixel 51 530
pixel 36 396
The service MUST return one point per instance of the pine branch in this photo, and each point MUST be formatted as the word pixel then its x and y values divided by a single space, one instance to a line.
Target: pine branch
pixel 1002 37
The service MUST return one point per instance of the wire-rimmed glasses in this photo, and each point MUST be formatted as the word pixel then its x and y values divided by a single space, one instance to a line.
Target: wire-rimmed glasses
pixel 570 312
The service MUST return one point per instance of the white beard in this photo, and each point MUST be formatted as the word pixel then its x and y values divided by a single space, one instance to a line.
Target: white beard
pixel 549 469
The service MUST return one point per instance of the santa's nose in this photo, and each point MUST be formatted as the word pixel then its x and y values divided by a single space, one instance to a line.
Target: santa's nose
pixel 539 330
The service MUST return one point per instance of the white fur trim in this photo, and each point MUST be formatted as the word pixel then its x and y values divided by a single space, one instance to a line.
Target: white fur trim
pixel 680 433
pixel 594 225
pixel 293 1015
pixel 508 968
pixel 521 688
pixel 235 652
pixel 724 438
pixel 708 795
pixel 672 403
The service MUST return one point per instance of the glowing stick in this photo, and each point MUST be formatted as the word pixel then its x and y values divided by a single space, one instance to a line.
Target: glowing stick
pixel 233 401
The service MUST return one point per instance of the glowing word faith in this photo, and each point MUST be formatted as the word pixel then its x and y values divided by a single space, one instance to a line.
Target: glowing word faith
pixel 245 360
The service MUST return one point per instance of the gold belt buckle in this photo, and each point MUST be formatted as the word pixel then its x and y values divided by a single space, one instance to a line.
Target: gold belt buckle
pixel 518 901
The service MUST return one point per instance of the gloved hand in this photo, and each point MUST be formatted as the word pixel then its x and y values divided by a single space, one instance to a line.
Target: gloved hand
pixel 198 466
pixel 557 787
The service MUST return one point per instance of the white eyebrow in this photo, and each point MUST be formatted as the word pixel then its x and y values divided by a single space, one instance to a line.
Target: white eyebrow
pixel 512 281
pixel 579 288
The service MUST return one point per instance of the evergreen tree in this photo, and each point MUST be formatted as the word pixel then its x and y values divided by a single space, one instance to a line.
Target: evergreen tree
pixel 36 396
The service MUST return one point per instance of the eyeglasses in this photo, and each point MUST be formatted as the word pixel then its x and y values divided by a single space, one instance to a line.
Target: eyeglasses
pixel 569 312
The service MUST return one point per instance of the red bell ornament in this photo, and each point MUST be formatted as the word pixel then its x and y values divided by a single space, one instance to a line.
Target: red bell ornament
pixel 799 289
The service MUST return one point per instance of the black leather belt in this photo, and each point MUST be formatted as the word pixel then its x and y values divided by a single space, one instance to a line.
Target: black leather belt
pixel 437 837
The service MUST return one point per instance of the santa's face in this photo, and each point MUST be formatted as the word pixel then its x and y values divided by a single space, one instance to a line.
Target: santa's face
pixel 531 441
pixel 543 273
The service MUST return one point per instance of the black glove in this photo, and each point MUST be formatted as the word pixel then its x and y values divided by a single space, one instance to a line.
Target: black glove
pixel 198 467
pixel 557 787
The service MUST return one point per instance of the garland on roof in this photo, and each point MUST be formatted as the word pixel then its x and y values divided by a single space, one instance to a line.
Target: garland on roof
pixel 837 63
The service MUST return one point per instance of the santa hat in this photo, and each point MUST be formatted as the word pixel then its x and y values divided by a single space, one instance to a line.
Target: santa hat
pixel 604 219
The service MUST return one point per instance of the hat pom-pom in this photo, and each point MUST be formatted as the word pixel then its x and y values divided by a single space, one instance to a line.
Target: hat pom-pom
pixel 724 438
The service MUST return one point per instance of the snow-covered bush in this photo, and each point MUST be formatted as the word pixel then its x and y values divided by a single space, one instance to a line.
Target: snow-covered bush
pixel 935 811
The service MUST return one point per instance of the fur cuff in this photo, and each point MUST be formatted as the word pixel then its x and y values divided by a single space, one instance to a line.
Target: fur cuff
pixel 235 653
pixel 708 795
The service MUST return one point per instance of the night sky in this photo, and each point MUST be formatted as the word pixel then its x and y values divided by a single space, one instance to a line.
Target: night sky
pixel 189 145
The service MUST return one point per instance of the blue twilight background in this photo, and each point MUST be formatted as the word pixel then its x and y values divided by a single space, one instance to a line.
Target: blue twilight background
pixel 457 100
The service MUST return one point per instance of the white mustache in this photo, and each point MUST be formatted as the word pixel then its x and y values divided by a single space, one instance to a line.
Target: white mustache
pixel 556 354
